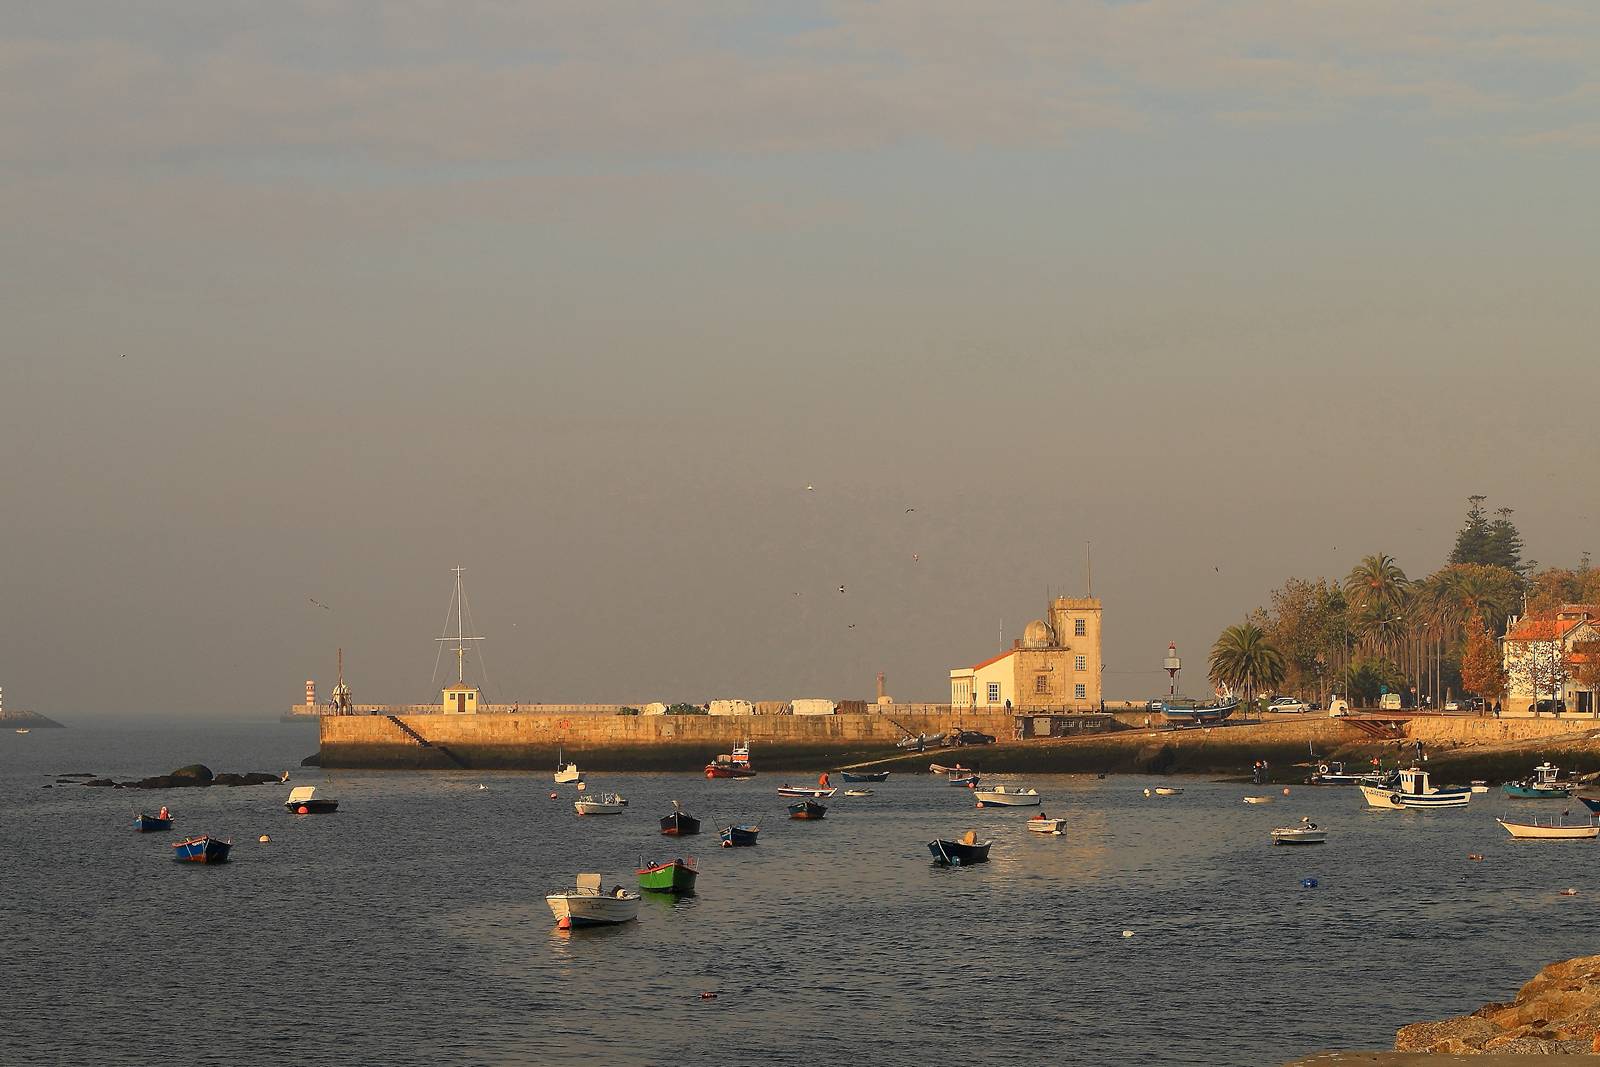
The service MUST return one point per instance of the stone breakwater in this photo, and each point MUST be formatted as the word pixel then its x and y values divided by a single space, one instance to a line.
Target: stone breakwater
pixel 1556 1013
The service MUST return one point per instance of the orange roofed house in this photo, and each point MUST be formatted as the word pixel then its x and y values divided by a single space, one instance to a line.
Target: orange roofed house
pixel 1541 664
pixel 1055 664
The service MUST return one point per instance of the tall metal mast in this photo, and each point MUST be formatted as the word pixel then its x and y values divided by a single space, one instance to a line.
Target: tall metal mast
pixel 461 637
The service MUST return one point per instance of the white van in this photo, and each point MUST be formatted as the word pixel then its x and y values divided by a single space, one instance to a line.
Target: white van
pixel 1390 702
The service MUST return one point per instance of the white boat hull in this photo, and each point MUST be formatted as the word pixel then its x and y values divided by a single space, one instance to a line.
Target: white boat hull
pixel 1293 835
pixel 1258 800
pixel 994 798
pixel 1551 831
pixel 1046 826
pixel 569 774
pixel 814 794
pixel 597 807
pixel 1384 797
pixel 586 909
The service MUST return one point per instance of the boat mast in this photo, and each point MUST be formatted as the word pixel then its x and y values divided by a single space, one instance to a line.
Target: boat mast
pixel 461 637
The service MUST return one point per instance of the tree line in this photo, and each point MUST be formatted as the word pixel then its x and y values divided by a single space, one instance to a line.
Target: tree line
pixel 1429 638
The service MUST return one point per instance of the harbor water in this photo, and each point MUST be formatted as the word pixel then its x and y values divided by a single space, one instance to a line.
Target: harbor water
pixel 410 927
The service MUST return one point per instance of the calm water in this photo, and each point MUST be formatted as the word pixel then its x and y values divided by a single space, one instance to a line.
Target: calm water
pixel 410 927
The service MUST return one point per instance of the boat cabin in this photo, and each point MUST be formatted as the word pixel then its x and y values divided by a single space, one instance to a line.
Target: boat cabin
pixel 1414 782
pixel 1545 775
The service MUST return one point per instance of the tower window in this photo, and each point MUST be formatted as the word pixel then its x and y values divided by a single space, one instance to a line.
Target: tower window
pixel 1079 692
pixel 1080 663
pixel 1080 628
pixel 1041 684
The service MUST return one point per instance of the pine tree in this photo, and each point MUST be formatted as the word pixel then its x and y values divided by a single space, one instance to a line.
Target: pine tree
pixel 1505 543
pixel 1472 543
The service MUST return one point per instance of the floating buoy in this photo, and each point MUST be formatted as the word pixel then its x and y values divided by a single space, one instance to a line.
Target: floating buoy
pixel 303 810
pixel 564 923
pixel 552 794
pixel 1127 933
pixel 708 995
pixel 265 839
pixel 1308 883
pixel 580 787
pixel 1147 792
pixel 1285 790
pixel 1569 892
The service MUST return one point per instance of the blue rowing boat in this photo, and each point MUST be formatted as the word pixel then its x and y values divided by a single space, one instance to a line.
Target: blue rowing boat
pixel 738 836
pixel 145 824
pixel 201 850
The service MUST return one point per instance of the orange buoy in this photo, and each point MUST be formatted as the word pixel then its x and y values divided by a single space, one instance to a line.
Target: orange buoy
pixel 1285 790
pixel 564 923
pixel 708 995
pixel 303 810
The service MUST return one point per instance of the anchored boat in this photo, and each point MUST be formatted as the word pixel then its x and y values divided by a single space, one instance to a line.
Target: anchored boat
pixel 566 772
pixel 587 905
pixel 1333 772
pixel 1043 824
pixel 865 776
pixel 673 876
pixel 680 823
pixel 303 800
pixel 1412 789
pixel 1542 784
pixel 807 809
pixel 1551 829
pixel 1307 833
pixel 1001 797
pixel 144 823
pixel 735 764
pixel 815 792
pixel 738 836
pixel 201 849
pixel 961 853
pixel 604 804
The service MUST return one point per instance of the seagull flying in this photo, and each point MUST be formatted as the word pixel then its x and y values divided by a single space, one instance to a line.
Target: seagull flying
pixel 319 603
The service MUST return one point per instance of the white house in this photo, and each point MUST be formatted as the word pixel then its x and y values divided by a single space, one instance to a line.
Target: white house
pixel 1541 663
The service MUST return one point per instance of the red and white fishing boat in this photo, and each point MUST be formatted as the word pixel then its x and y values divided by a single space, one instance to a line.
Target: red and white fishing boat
pixel 732 765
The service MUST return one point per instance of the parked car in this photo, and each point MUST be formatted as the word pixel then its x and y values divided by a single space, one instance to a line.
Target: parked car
pixel 1389 702
pixel 971 737
pixel 1288 705
pixel 1472 703
pixel 1546 707
pixel 1452 705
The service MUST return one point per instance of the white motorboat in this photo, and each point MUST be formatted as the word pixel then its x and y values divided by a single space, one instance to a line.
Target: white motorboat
pixel 858 792
pixel 1551 828
pixel 566 773
pixel 305 800
pixel 1307 833
pixel 1168 791
pixel 1001 797
pixel 1258 800
pixel 811 792
pixel 1480 786
pixel 1412 789
pixel 604 804
pixel 587 904
pixel 1041 824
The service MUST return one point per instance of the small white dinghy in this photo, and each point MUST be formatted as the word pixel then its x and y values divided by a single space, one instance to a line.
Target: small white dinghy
pixel 810 792
pixel 858 792
pixel 1043 824
pixel 604 804
pixel 1551 829
pixel 1307 833
pixel 566 772
pixel 1258 800
pixel 1001 797
pixel 1168 791
pixel 586 904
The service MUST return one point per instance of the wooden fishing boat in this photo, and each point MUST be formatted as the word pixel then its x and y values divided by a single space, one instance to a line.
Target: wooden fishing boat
pixel 145 824
pixel 939 768
pixel 1412 789
pixel 587 904
pixel 1542 784
pixel 1001 797
pixel 1551 829
pixel 738 836
pixel 303 800
pixel 201 849
pixel 673 876
pixel 815 792
pixel 680 823
pixel 604 804
pixel 807 809
pixel 1043 824
pixel 961 853
pixel 865 776
pixel 1307 833
pixel 1183 711
pixel 966 781
pixel 735 764
pixel 1592 803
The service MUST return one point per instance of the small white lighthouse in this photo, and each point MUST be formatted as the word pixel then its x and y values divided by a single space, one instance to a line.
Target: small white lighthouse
pixel 1173 665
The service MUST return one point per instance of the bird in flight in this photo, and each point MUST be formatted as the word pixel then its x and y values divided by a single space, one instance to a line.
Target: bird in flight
pixel 319 603
pixel 811 488
pixel 852 626
pixel 910 510
pixel 841 589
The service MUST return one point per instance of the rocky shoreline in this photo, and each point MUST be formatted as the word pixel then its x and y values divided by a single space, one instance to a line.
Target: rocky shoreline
pixel 1556 1013
pixel 196 775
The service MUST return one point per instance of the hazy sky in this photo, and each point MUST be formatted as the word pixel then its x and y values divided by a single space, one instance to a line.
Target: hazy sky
pixel 317 300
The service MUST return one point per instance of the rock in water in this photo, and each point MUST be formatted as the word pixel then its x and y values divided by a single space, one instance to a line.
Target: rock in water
pixel 195 771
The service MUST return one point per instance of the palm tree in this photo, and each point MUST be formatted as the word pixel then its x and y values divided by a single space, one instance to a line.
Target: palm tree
pixel 1376 589
pixel 1243 658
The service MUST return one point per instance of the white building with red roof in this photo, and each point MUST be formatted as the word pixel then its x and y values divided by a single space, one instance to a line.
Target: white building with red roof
pixel 1539 653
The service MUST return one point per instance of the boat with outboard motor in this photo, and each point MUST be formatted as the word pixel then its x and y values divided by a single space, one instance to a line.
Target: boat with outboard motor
pixel 1412 788
pixel 1307 833
pixel 1043 824
pixel 673 876
pixel 963 852
pixel 1001 797
pixel 587 904
pixel 604 804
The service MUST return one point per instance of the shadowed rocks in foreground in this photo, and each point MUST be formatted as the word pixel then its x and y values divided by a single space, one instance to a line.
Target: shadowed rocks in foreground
pixel 1558 1012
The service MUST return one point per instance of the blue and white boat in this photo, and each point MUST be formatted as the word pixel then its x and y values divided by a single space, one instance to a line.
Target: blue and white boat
pixel 1542 784
pixel 1412 789
pixel 1186 711
pixel 201 849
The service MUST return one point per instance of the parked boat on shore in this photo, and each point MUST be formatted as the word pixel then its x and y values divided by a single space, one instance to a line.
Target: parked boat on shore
pixel 587 904
pixel 962 852
pixel 1413 789
pixel 202 849
pixel 1334 772
pixel 939 768
pixel 1551 828
pixel 1001 797
pixel 674 876
pixel 1186 711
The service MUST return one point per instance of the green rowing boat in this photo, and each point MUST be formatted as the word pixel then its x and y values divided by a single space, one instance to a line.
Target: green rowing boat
pixel 674 876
